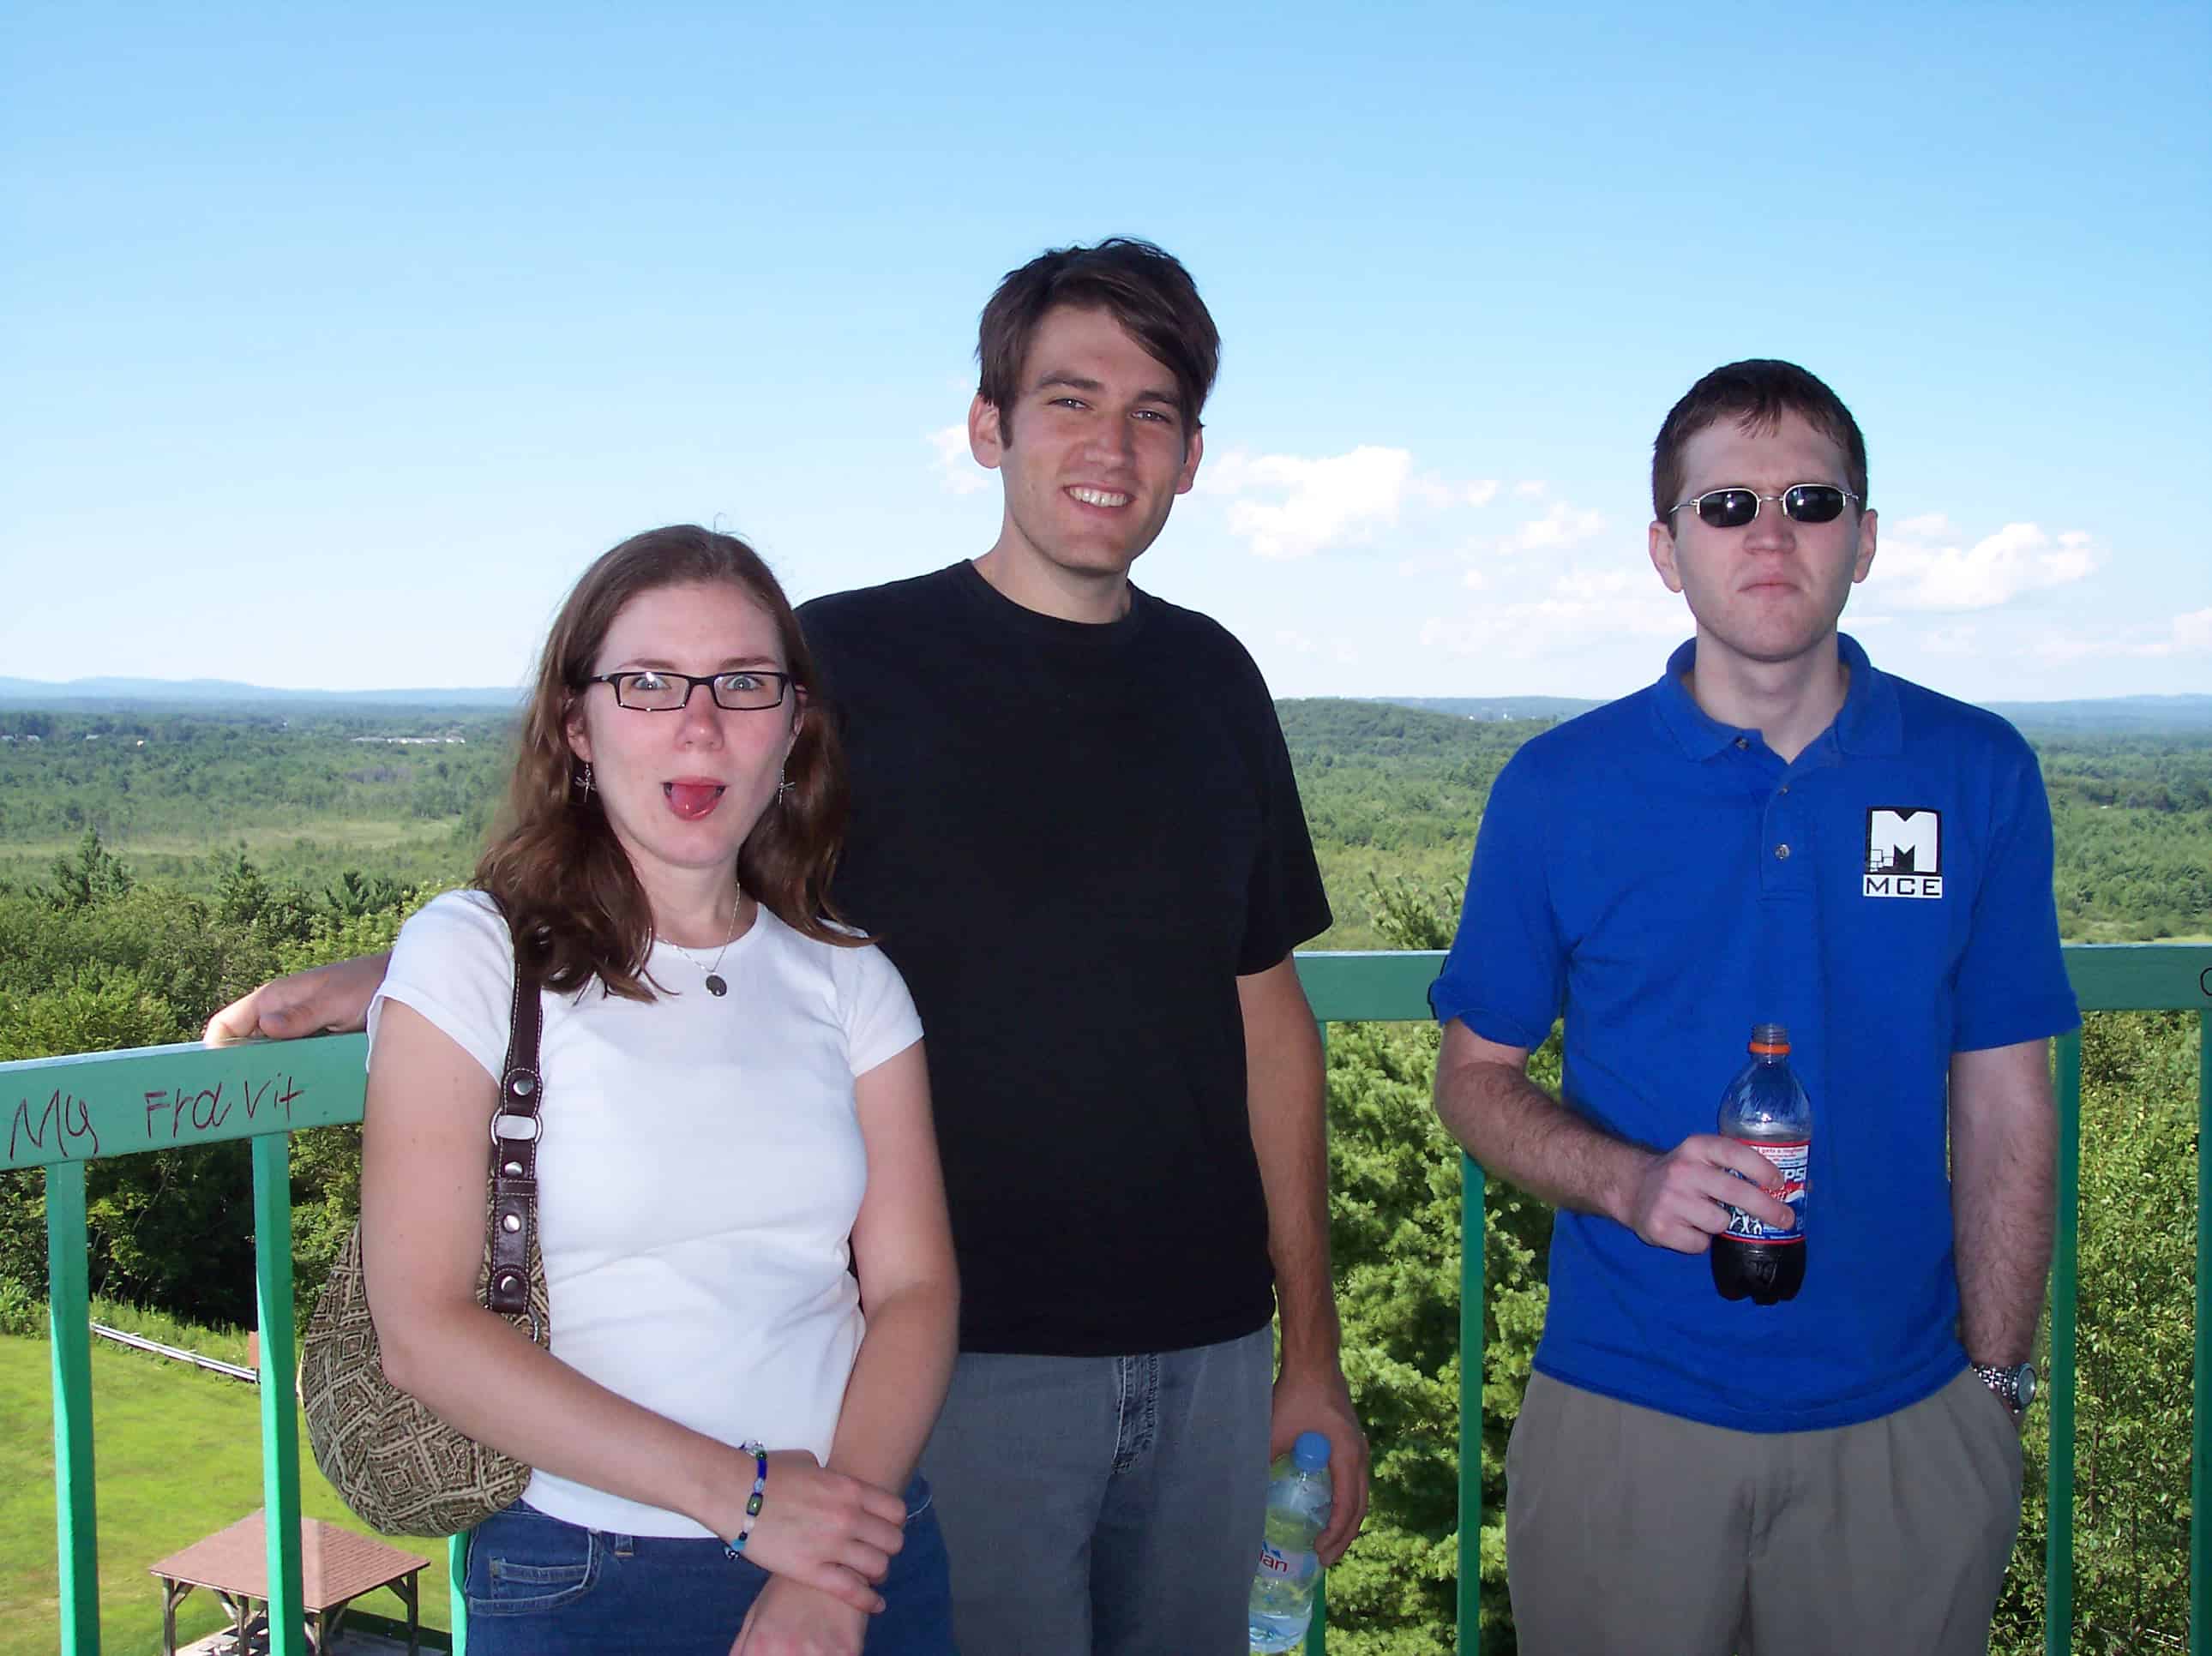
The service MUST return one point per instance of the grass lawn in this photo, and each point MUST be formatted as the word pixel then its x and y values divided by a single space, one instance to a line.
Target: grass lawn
pixel 177 1455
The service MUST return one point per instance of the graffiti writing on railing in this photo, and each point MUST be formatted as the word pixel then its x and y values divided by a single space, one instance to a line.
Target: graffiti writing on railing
pixel 68 1127
pixel 2205 982
pixel 67 1117
pixel 209 1108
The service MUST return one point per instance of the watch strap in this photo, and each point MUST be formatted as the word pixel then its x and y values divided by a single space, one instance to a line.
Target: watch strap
pixel 2004 1379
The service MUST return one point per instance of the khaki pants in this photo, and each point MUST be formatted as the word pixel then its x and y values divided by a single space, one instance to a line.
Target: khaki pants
pixel 1630 1533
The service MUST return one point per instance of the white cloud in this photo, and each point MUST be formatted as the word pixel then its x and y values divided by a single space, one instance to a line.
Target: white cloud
pixel 956 467
pixel 2185 635
pixel 1579 605
pixel 1530 489
pixel 1922 567
pixel 1443 492
pixel 1565 524
pixel 1338 499
pixel 1299 644
pixel 1952 640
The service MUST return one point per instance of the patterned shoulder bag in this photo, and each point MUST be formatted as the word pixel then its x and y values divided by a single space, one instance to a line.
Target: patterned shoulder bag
pixel 400 1467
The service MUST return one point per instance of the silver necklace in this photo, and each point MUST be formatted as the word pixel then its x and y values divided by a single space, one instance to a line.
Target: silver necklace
pixel 715 985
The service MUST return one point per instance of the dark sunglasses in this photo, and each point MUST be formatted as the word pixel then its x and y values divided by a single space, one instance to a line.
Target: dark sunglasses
pixel 1804 503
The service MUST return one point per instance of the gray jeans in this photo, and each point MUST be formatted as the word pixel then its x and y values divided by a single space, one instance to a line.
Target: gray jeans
pixel 1628 1531
pixel 1106 1505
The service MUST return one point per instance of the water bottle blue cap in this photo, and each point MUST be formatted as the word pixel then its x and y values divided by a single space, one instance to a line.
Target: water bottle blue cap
pixel 1310 1453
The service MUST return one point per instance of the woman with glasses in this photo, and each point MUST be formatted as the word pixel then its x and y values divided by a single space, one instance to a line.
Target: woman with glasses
pixel 747 1262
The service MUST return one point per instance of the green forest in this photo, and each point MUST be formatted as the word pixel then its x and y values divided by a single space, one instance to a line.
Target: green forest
pixel 153 865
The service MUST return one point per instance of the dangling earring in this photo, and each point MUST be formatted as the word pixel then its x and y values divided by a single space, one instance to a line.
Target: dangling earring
pixel 587 778
pixel 782 782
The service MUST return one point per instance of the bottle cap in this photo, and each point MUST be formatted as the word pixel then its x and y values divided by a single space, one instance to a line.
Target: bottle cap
pixel 1310 1453
pixel 1769 1038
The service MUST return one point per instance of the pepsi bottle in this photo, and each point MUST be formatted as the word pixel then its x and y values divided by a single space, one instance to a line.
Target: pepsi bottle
pixel 1765 1109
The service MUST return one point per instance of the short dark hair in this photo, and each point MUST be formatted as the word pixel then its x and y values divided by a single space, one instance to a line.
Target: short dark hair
pixel 1756 394
pixel 1144 288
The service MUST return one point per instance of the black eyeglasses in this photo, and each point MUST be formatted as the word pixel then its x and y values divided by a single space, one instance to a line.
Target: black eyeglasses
pixel 1804 503
pixel 655 690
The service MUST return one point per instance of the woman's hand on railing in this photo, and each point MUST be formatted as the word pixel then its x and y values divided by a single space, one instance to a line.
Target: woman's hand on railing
pixel 322 1000
pixel 821 1528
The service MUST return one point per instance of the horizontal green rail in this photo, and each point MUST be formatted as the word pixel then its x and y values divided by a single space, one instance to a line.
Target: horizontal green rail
pixel 60 1112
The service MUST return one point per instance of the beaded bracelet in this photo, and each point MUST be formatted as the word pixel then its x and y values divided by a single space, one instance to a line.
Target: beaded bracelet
pixel 735 1547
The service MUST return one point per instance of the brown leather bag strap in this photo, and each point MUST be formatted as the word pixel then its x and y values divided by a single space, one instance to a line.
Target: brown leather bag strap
pixel 516 1127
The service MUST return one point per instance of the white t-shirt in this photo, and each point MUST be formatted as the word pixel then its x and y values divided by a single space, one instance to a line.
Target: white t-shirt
pixel 700 1168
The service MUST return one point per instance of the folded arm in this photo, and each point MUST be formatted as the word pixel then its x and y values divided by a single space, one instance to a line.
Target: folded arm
pixel 909 1290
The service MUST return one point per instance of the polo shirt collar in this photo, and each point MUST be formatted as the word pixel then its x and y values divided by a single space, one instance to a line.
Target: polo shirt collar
pixel 1868 724
pixel 1869 721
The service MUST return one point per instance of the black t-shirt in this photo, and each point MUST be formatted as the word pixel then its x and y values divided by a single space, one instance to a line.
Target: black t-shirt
pixel 1072 839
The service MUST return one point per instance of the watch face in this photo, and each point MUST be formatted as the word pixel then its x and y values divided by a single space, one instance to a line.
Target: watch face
pixel 2024 1386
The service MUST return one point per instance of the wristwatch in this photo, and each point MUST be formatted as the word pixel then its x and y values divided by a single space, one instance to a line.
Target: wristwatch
pixel 2015 1386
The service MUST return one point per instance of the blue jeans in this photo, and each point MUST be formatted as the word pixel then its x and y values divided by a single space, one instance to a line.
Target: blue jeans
pixel 537 1587
pixel 1105 1505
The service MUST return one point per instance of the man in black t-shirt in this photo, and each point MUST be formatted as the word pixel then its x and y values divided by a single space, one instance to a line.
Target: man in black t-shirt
pixel 1076 832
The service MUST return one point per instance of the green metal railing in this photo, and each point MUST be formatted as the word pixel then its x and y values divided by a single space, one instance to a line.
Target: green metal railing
pixel 62 1113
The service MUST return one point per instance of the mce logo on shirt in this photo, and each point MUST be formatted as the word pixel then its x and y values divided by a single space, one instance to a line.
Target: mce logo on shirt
pixel 1904 852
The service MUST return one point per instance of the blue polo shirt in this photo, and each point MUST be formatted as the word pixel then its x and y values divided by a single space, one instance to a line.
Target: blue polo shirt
pixel 1664 882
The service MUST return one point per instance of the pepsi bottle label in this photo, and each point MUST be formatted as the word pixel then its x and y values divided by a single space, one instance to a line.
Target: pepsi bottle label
pixel 1789 1161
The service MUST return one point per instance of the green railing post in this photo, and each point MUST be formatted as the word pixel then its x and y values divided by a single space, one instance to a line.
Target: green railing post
pixel 2200 1474
pixel 69 1313
pixel 2065 1267
pixel 279 1426
pixel 1317 1636
pixel 456 1592
pixel 1470 1405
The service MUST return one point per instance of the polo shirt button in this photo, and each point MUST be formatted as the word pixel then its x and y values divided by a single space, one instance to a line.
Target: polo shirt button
pixel 1782 853
pixel 1743 742
pixel 1786 787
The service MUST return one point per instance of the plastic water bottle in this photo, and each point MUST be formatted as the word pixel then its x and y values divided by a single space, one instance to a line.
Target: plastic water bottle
pixel 1299 1502
pixel 1765 1109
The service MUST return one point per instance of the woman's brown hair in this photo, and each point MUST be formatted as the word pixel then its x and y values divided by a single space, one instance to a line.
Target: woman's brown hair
pixel 554 866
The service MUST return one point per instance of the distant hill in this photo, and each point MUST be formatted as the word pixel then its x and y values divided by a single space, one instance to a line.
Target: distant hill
pixel 2119 715
pixel 1494 706
pixel 87 694
pixel 2112 715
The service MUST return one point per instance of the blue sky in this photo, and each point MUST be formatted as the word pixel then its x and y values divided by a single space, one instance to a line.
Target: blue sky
pixel 341 339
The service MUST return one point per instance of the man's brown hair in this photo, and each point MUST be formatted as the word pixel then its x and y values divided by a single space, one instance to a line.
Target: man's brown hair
pixel 1755 394
pixel 1145 289
pixel 561 878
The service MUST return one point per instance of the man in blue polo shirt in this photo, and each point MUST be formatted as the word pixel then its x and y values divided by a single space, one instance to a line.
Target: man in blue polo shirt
pixel 1775 832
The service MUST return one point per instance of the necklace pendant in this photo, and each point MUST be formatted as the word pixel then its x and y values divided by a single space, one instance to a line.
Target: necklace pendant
pixel 715 987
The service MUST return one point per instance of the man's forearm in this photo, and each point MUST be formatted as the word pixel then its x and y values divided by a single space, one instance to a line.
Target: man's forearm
pixel 321 999
pixel 1513 1128
pixel 1290 1140
pixel 1289 1137
pixel 2005 1145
